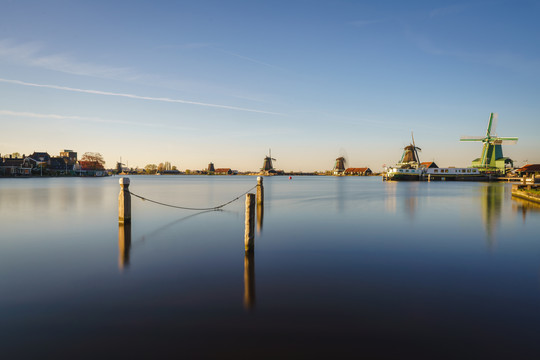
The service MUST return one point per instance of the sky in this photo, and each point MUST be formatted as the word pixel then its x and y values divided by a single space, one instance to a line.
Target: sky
pixel 194 82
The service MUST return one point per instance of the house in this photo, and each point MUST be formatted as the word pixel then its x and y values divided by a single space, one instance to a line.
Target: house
pixel 529 169
pixel 41 157
pixel 358 171
pixel 59 165
pixel 70 156
pixel 429 165
pixel 11 166
pixel 223 171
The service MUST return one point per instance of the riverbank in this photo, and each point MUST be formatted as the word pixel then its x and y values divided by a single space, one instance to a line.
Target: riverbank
pixel 527 192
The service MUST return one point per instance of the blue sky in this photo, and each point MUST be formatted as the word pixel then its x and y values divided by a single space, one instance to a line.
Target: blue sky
pixel 193 82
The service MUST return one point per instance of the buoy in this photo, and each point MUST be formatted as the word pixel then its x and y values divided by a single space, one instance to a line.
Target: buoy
pixel 290 177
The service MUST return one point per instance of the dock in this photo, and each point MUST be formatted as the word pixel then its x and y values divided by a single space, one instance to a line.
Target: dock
pixel 528 189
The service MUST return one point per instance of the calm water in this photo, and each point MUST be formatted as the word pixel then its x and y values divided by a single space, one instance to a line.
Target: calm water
pixel 341 266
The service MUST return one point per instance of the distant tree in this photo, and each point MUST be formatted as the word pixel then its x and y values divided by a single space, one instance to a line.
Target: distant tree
pixel 151 168
pixel 166 166
pixel 14 155
pixel 92 161
pixel 174 168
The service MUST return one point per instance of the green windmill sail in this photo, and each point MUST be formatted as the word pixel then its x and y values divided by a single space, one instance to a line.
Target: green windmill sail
pixel 492 158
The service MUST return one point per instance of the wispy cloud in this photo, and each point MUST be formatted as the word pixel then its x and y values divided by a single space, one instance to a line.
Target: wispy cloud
pixel 32 54
pixel 362 23
pixel 137 97
pixel 32 115
pixel 448 10
pixel 511 61
pixel 191 46
pixel 255 61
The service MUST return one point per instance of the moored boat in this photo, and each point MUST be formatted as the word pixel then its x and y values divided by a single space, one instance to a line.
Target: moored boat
pixel 410 168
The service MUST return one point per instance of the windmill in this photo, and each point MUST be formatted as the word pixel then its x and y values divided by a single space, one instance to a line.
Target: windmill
pixel 492 155
pixel 339 166
pixel 119 167
pixel 267 163
pixel 410 154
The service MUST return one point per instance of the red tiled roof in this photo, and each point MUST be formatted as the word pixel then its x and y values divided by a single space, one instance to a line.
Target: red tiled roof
pixel 223 170
pixel 530 168
pixel 427 164
pixel 356 170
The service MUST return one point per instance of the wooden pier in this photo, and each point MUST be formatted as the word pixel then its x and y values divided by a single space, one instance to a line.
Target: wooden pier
pixel 527 190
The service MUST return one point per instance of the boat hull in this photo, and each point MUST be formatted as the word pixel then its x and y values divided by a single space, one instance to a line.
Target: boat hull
pixel 457 178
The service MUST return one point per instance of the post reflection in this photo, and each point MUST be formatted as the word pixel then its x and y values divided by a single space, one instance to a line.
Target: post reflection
pixel 260 216
pixel 249 280
pixel 124 245
pixel 521 206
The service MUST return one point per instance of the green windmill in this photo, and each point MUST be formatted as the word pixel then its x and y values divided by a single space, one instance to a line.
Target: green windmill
pixel 492 159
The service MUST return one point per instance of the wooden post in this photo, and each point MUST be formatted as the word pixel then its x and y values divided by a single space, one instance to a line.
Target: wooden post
pixel 249 235
pixel 249 280
pixel 260 191
pixel 124 201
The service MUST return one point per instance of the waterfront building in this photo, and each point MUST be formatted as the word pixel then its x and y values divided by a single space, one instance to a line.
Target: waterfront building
pixel 358 171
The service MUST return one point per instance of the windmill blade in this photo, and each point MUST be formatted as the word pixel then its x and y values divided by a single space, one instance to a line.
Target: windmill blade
pixel 503 140
pixel 472 138
pixel 511 138
pixel 492 124
pixel 509 141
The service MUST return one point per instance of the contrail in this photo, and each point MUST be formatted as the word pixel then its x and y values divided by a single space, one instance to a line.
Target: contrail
pixel 138 97
pixel 88 119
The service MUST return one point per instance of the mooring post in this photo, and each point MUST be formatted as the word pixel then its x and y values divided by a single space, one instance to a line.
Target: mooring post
pixel 249 235
pixel 124 201
pixel 260 191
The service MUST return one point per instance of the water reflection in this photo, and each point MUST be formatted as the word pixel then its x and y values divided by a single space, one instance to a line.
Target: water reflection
pixel 492 198
pixel 524 206
pixel 124 244
pixel 340 194
pixel 175 222
pixel 249 280
pixel 411 201
pixel 390 199
pixel 260 216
